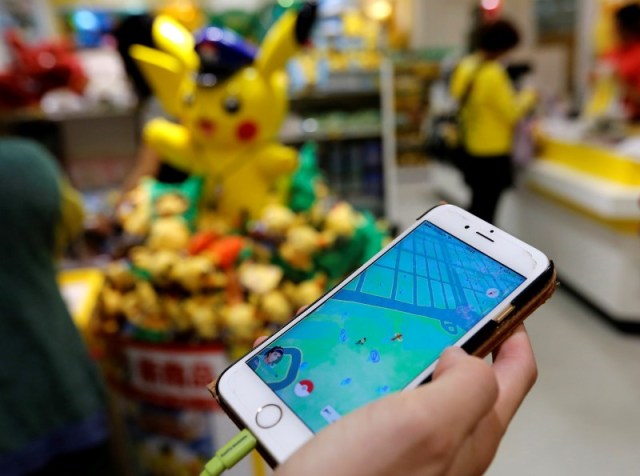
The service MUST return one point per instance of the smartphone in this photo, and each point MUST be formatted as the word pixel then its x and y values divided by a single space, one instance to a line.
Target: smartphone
pixel 450 279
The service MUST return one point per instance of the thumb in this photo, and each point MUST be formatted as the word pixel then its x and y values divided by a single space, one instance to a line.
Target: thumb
pixel 450 358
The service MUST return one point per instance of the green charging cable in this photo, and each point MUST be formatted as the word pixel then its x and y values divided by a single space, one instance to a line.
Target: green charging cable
pixel 230 454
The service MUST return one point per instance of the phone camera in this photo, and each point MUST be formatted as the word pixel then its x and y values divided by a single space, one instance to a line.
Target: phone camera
pixel 490 231
pixel 466 227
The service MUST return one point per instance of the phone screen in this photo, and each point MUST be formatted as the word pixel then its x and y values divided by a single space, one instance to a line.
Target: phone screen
pixel 386 326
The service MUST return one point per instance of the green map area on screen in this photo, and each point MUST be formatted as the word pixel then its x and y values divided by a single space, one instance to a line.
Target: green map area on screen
pixel 386 326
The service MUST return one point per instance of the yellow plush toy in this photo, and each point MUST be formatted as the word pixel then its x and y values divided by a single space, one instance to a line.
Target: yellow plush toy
pixel 134 211
pixel 306 292
pixel 197 273
pixel 170 233
pixel 276 308
pixel 230 101
pixel 300 246
pixel 275 220
pixel 241 320
pixel 341 222
pixel 204 313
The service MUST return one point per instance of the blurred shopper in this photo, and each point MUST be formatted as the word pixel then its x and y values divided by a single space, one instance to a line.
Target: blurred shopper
pixel 137 30
pixel 490 110
pixel 625 58
pixel 52 407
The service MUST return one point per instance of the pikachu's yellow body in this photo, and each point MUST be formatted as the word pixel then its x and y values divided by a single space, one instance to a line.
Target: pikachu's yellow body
pixel 230 103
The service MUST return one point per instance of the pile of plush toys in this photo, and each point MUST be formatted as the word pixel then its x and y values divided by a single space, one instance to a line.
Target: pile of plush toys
pixel 253 234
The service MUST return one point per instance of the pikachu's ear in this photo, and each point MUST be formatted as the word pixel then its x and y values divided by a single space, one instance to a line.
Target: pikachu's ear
pixel 285 38
pixel 171 37
pixel 163 72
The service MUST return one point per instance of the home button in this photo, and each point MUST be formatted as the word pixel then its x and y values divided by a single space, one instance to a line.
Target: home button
pixel 268 416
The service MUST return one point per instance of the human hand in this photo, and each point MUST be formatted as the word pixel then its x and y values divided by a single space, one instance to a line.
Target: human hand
pixel 451 426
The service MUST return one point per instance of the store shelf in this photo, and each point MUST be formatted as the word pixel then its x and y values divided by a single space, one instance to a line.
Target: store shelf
pixel 335 100
pixel 344 119
pixel 338 135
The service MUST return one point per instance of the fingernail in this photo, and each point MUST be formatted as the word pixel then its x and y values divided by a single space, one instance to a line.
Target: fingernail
pixel 455 353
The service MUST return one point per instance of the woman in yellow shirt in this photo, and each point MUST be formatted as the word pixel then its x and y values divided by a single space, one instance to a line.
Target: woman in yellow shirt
pixel 490 110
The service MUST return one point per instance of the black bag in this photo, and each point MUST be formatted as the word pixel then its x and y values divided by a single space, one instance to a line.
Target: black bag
pixel 445 133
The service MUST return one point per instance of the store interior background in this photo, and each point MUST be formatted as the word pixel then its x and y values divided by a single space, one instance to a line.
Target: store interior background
pixel 581 417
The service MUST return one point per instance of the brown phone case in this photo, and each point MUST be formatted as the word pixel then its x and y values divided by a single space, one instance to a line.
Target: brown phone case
pixel 495 333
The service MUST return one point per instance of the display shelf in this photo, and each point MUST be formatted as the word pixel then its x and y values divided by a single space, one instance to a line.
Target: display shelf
pixel 411 84
pixel 337 100
pixel 343 118
pixel 337 135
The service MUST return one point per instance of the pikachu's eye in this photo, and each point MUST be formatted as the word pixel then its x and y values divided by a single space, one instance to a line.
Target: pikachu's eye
pixel 189 99
pixel 231 104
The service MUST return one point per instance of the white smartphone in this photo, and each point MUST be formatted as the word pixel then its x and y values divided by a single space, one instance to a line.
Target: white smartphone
pixel 450 279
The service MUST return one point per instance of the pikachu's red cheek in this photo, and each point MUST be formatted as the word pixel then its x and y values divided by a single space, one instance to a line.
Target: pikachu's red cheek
pixel 247 131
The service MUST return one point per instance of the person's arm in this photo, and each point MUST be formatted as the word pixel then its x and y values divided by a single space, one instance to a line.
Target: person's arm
pixel 500 95
pixel 451 426
pixel 147 165
pixel 459 80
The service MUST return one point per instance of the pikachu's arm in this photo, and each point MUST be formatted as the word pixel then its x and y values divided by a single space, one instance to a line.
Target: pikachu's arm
pixel 285 38
pixel 277 159
pixel 171 142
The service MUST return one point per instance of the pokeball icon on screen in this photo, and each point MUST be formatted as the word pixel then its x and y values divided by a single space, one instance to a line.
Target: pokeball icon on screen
pixel 493 293
pixel 303 388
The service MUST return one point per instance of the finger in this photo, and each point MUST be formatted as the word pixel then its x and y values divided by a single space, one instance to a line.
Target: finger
pixel 463 391
pixel 476 453
pixel 301 310
pixel 259 341
pixel 516 372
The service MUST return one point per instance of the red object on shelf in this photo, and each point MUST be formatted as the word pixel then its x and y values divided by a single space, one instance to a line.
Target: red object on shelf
pixel 37 69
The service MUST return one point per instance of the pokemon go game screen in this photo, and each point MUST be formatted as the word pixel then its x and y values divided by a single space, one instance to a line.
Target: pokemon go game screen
pixel 386 326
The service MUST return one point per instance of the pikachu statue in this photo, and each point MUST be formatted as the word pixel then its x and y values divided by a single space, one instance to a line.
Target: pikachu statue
pixel 230 100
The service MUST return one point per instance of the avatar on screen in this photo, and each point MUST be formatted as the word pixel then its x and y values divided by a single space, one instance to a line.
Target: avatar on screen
pixel 385 327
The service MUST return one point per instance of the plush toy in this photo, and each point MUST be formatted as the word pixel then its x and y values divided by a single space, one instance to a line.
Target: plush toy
pixel 274 222
pixel 119 276
pixel 198 273
pixel 259 278
pixel 175 200
pixel 111 301
pixel 231 101
pixel 241 321
pixel 224 251
pixel 300 246
pixel 275 307
pixel 35 70
pixel 174 309
pixel 341 222
pixel 141 307
pixel 204 313
pixel 352 237
pixel 160 266
pixel 303 193
pixel 134 211
pixel 170 233
pixel 306 292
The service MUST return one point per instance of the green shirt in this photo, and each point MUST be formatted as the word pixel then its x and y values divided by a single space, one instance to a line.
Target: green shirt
pixel 51 395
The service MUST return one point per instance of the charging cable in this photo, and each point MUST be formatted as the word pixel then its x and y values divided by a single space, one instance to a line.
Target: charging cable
pixel 230 454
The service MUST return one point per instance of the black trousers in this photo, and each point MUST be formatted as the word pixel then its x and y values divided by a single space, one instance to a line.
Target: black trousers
pixel 488 177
